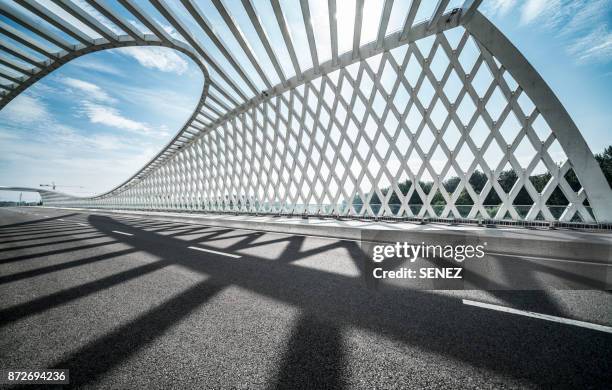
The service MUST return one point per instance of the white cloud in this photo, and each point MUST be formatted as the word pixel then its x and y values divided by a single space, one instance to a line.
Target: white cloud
pixel 582 25
pixel 534 8
pixel 26 109
pixel 91 90
pixel 98 16
pixel 59 11
pixel 113 159
pixel 499 7
pixel 172 31
pixel 596 46
pixel 106 142
pixel 96 66
pixel 175 104
pixel 167 28
pixel 158 58
pixel 584 15
pixel 111 117
pixel 585 27
pixel 69 155
pixel 95 107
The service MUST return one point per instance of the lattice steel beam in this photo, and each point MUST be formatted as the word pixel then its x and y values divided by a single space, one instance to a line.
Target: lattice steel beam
pixel 348 136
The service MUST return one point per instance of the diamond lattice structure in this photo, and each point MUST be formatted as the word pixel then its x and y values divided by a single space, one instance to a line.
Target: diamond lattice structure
pixel 441 118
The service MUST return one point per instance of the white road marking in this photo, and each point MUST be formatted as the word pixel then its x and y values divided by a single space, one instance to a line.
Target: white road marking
pixel 61 220
pixel 82 224
pixel 548 259
pixel 547 317
pixel 215 252
pixel 124 233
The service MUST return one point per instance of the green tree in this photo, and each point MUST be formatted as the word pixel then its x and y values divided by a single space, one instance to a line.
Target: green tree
pixel 605 162
pixel 506 180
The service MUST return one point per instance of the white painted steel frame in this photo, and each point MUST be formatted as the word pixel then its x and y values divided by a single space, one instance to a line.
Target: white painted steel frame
pixel 300 146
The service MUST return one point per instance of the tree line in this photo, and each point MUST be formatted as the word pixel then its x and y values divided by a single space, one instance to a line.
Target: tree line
pixel 506 180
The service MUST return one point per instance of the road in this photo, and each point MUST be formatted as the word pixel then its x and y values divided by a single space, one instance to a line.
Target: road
pixel 130 302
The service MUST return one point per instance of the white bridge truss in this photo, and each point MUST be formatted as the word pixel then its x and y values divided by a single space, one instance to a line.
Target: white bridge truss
pixel 399 126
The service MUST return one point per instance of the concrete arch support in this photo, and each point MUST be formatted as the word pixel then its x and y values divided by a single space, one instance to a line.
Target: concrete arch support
pixel 579 154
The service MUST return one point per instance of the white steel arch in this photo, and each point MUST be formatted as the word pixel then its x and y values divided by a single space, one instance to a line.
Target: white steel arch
pixel 426 121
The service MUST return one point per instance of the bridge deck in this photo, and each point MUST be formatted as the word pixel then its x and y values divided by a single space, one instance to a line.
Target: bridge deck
pixel 127 301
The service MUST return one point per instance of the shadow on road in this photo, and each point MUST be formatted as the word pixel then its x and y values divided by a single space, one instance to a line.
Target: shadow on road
pixel 529 350
pixel 37 221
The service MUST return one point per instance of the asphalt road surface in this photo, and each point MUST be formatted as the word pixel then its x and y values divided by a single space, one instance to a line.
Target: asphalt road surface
pixel 127 302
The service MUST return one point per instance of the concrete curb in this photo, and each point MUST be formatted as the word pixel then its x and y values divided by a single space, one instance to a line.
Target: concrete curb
pixel 589 248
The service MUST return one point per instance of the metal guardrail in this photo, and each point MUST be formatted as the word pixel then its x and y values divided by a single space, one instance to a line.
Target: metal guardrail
pixel 488 223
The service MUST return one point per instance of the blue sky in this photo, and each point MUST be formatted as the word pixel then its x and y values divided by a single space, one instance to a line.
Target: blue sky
pixel 570 44
pixel 98 119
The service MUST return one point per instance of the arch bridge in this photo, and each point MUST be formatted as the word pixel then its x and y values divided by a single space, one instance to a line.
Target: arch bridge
pixel 436 116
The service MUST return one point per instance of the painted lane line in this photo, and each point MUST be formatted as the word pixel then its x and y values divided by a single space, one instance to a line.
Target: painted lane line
pixel 547 317
pixel 548 259
pixel 124 233
pixel 60 220
pixel 215 252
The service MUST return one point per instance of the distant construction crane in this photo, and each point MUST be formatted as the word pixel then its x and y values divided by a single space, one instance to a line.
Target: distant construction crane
pixel 52 185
